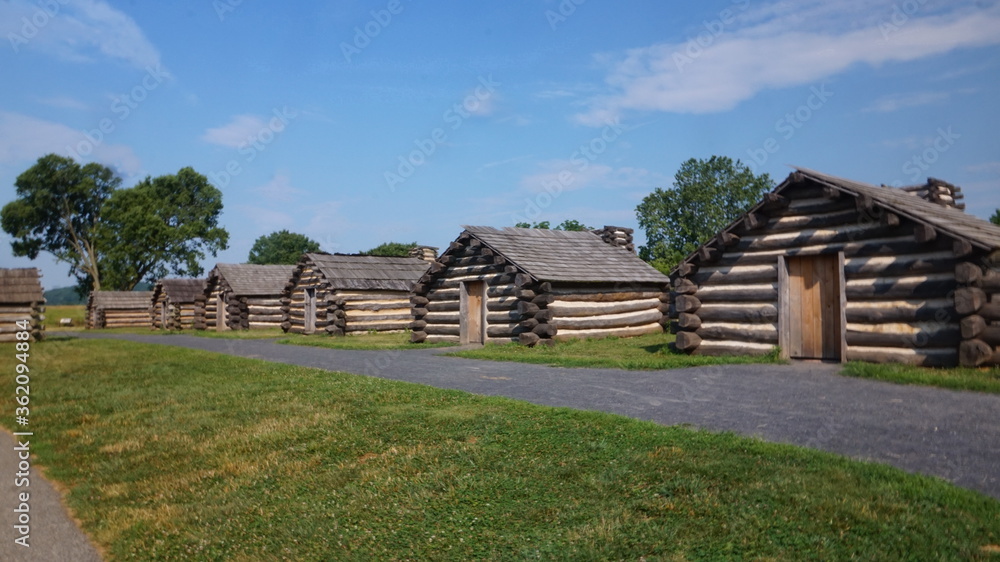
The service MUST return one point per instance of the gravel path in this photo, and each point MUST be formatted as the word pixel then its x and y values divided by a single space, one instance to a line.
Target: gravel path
pixel 951 434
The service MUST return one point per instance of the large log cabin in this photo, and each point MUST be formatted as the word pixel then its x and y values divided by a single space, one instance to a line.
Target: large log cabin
pixel 347 294
pixel 832 269
pixel 242 297
pixel 174 303
pixel 21 299
pixel 538 286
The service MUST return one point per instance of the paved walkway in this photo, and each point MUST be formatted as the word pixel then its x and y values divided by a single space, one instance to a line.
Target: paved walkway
pixel 951 434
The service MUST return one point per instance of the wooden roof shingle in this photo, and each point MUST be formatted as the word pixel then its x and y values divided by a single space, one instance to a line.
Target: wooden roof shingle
pixel 949 220
pixel 180 291
pixel 369 272
pixel 115 300
pixel 569 256
pixel 261 280
pixel 20 285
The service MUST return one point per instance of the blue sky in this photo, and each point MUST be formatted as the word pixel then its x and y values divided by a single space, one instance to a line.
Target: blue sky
pixel 361 122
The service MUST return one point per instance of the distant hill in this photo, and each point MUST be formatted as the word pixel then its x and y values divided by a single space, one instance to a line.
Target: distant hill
pixel 68 296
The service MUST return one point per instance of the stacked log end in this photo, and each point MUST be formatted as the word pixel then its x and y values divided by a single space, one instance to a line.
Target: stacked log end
pixel 617 236
pixel 977 303
pixel 938 191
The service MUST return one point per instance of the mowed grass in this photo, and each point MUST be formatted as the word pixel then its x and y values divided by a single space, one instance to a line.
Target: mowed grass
pixel 179 454
pixel 644 352
pixel 986 379
pixel 76 313
pixel 368 341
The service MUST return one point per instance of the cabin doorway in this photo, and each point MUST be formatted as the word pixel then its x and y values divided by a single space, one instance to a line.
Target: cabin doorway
pixel 812 311
pixel 163 316
pixel 220 313
pixel 310 311
pixel 473 312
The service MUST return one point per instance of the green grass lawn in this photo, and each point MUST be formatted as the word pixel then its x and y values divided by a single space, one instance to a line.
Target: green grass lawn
pixel 983 379
pixel 181 454
pixel 361 341
pixel 77 313
pixel 644 352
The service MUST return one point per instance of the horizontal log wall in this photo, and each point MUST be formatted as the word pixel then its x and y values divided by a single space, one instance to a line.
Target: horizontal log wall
pixel 125 318
pixel 898 276
pixel 605 310
pixel 11 314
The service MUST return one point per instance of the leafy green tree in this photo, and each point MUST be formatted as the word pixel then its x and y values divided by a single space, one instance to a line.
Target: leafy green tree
pixel 281 247
pixel 58 210
pixel 568 224
pixel 163 224
pixel 390 250
pixel 995 219
pixel 706 196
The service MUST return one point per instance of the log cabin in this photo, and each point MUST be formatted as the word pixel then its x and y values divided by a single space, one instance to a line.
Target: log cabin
pixel 242 297
pixel 350 294
pixel 537 286
pixel 832 269
pixel 174 303
pixel 21 298
pixel 119 309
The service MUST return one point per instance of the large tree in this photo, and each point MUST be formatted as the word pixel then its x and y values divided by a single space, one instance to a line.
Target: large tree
pixel 162 225
pixel 391 249
pixel 706 196
pixel 995 219
pixel 114 238
pixel 58 210
pixel 282 247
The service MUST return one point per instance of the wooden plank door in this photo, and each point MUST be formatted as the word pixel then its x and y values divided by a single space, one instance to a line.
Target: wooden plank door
pixel 310 311
pixel 814 311
pixel 163 315
pixel 473 312
pixel 220 313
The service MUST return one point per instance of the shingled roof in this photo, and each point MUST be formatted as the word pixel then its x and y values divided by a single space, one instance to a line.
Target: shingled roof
pixel 569 256
pixel 120 299
pixel 20 286
pixel 369 272
pixel 180 290
pixel 248 279
pixel 946 219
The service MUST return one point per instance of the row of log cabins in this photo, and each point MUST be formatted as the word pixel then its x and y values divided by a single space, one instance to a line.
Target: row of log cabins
pixel 833 269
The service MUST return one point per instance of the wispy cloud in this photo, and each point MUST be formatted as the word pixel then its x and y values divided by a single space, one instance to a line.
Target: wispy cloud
pixel 76 31
pixel 895 102
pixel 567 175
pixel 779 45
pixel 279 190
pixel 24 138
pixel 63 102
pixel 235 133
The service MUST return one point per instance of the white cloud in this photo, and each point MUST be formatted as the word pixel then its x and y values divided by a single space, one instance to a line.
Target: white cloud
pixel 235 133
pixel 267 219
pixel 76 31
pixel 775 47
pixel 24 138
pixel 278 190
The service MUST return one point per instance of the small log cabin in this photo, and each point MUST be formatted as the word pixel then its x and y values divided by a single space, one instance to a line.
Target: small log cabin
pixel 345 294
pixel 21 298
pixel 832 269
pixel 119 309
pixel 538 286
pixel 242 297
pixel 174 303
